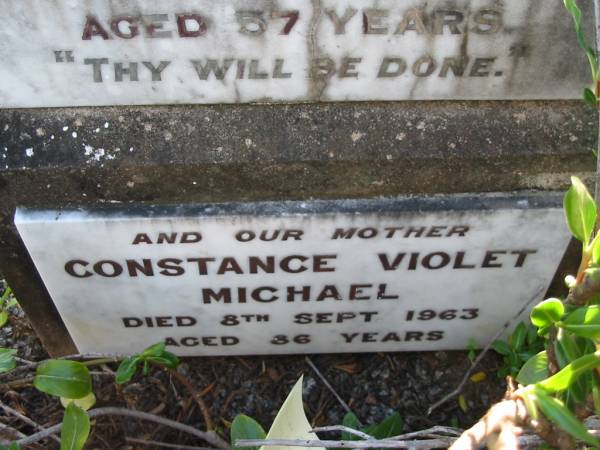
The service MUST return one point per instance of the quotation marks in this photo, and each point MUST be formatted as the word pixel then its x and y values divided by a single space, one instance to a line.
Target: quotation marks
pixel 64 56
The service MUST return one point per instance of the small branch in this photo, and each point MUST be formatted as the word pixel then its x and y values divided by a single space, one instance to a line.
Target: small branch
pixel 196 396
pixel 208 436
pixel 437 430
pixel 16 384
pixel 331 389
pixel 100 361
pixel 344 429
pixel 597 175
pixel 75 357
pixel 165 444
pixel 384 443
pixel 10 430
pixel 25 419
pixel 483 352
pixel 586 289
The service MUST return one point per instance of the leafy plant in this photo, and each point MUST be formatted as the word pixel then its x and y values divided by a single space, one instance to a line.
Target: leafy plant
pixel 7 359
pixel 390 426
pixel 6 302
pixel 570 330
pixel 72 383
pixel 244 427
pixel 589 96
pixel 521 346
pixel 153 355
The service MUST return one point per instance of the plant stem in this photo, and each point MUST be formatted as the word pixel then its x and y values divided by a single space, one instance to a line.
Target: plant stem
pixel 597 88
pixel 98 362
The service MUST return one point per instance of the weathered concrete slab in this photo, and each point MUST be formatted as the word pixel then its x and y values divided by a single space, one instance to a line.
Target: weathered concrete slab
pixel 124 52
pixel 70 158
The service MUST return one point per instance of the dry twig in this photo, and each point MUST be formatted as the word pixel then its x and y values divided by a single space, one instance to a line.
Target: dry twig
pixel 165 444
pixel 331 389
pixel 26 419
pixel 208 436
pixel 196 396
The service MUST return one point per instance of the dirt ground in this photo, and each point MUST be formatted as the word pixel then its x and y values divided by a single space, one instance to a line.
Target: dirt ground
pixel 373 385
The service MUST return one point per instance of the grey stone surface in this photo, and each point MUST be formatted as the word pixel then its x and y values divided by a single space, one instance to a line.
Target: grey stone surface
pixel 101 52
pixel 57 158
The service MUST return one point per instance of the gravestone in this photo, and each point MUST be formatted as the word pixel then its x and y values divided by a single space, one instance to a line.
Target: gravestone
pixel 285 177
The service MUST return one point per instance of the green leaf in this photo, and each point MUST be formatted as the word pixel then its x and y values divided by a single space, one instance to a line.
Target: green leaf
pixel 534 370
pixel 3 317
pixel 154 350
pixel 530 403
pixel 547 313
pixel 5 295
pixel 244 427
pixel 63 378
pixel 557 413
pixel 568 351
pixel 12 446
pixel 351 421
pixel 166 359
pixel 580 211
pixel 584 322
pixel 566 376
pixel 517 339
pixel 84 403
pixel 596 253
pixel 501 347
pixel 7 359
pixel 127 369
pixel 589 97
pixel 76 428
pixel 575 12
pixel 391 426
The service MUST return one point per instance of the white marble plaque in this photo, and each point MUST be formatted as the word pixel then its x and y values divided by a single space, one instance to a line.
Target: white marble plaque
pixel 272 278
pixel 134 52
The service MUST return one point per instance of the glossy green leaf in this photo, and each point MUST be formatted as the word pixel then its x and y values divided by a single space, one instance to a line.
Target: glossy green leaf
pixel 530 403
pixel 567 351
pixel 63 378
pixel 501 347
pixel 589 97
pixel 126 369
pixel 575 12
pixel 518 337
pixel 351 421
pixel 7 359
pixel 547 313
pixel 154 350
pixel 580 211
pixel 534 370
pixel 75 429
pixel 567 376
pixel 244 427
pixel 3 317
pixel 584 322
pixel 166 359
pixel 5 296
pixel 596 253
pixel 391 426
pixel 558 414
